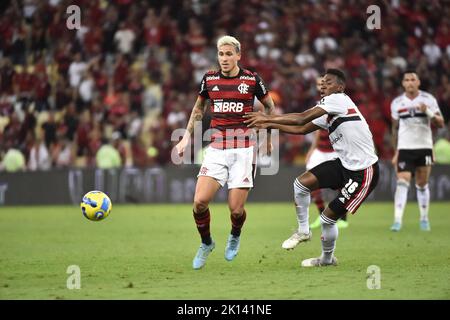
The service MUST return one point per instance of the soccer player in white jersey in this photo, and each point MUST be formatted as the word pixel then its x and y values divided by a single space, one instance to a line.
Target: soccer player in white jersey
pixel 412 113
pixel 355 172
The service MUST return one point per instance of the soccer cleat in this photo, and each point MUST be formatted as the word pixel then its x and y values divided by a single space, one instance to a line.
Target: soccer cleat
pixel 295 239
pixel 396 226
pixel 202 254
pixel 315 224
pixel 342 224
pixel 317 262
pixel 425 225
pixel 232 247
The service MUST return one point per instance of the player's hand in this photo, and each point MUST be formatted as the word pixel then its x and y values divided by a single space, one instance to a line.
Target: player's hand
pixel 181 146
pixel 255 119
pixel 423 107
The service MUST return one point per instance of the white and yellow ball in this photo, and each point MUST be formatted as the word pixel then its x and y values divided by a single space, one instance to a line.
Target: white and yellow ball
pixel 96 205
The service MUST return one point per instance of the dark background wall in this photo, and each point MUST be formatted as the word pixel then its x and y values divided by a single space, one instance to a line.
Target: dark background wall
pixel 173 185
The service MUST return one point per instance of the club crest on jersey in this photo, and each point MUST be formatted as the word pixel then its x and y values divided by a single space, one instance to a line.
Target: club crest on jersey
pixel 220 106
pixel 412 111
pixel 243 88
pixel 401 165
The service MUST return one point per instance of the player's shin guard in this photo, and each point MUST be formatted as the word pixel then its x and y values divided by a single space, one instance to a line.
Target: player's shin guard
pixel 236 223
pixel 401 195
pixel 423 200
pixel 328 238
pixel 202 221
pixel 302 199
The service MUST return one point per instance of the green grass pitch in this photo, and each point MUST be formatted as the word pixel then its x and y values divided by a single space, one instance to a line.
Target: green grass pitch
pixel 146 251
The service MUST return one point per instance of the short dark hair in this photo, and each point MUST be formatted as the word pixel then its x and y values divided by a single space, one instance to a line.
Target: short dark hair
pixel 409 70
pixel 338 73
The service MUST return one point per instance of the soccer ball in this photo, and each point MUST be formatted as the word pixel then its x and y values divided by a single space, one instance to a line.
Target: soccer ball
pixel 96 205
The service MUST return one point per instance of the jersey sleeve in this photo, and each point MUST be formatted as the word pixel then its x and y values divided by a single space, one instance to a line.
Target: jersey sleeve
pixel 394 112
pixel 203 88
pixel 332 104
pixel 321 121
pixel 434 106
pixel 260 89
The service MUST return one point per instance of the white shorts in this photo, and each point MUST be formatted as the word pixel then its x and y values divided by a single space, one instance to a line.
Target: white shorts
pixel 318 157
pixel 236 167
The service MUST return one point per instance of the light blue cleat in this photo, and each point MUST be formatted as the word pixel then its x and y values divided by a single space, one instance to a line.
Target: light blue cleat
pixel 396 226
pixel 202 254
pixel 425 225
pixel 232 247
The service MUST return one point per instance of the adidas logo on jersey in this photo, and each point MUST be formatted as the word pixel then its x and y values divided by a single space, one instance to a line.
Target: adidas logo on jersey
pixel 342 199
pixel 216 88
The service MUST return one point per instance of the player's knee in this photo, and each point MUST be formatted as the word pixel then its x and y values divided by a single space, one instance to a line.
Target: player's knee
pixel 200 205
pixel 422 186
pixel 403 182
pixel 236 210
pixel 300 188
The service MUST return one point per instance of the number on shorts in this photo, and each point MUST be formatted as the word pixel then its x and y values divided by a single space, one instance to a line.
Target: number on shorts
pixel 428 161
pixel 351 186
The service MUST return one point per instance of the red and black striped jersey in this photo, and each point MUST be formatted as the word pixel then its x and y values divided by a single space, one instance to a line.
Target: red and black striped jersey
pixel 231 98
pixel 323 142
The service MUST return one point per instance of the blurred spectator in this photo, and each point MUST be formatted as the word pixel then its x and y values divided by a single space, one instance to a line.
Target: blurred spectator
pixel 39 156
pixel 124 38
pixel 13 161
pixel 76 70
pixel 108 157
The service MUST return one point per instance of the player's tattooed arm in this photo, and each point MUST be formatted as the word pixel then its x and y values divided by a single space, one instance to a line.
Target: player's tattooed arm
pixel 269 105
pixel 196 115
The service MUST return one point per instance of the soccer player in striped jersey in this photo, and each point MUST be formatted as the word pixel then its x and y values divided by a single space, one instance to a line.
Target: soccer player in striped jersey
pixel 412 113
pixel 319 151
pixel 355 172
pixel 230 158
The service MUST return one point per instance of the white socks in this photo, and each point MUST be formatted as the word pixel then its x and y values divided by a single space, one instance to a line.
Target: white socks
pixel 401 195
pixel 302 199
pixel 329 236
pixel 423 200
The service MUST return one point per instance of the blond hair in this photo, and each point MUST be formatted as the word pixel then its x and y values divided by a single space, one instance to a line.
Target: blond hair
pixel 229 40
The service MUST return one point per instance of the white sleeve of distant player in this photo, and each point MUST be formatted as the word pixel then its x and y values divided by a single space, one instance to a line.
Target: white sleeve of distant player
pixel 394 113
pixel 321 121
pixel 332 104
pixel 434 106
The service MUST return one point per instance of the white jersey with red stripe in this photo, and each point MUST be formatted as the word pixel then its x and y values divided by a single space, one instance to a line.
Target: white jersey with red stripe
pixel 348 131
pixel 414 131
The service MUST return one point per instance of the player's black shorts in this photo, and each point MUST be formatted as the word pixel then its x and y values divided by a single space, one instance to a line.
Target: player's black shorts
pixel 355 186
pixel 409 160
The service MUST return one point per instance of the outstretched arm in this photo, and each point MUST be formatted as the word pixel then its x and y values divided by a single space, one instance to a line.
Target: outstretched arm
pixel 256 118
pixel 307 128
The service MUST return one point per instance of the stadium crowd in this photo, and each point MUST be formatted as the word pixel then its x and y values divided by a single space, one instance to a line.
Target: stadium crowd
pixel 111 92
